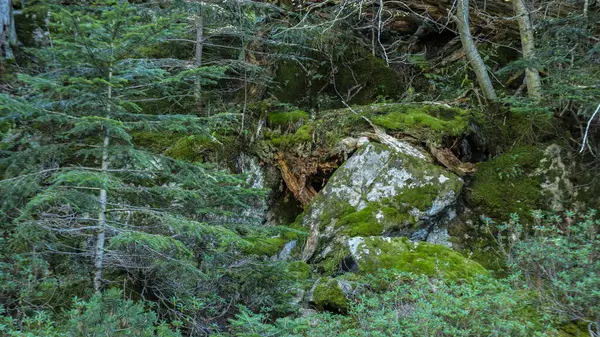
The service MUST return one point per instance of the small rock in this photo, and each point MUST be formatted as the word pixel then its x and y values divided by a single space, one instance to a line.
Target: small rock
pixel 286 251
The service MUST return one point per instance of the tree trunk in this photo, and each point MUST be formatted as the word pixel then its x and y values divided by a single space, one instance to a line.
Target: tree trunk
pixel 199 37
pixel 471 52
pixel 8 35
pixel 243 59
pixel 532 75
pixel 198 56
pixel 100 235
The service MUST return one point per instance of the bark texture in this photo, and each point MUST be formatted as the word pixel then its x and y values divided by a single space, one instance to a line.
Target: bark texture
pixel 483 78
pixel 532 75
pixel 8 35
pixel 304 194
pixel 102 198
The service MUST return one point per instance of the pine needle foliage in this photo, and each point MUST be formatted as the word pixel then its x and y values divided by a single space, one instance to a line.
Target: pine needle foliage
pixel 75 188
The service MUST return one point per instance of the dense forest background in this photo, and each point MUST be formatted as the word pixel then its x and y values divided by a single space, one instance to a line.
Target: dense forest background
pixel 295 168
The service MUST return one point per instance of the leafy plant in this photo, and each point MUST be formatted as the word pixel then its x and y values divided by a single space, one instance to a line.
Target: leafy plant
pixel 560 262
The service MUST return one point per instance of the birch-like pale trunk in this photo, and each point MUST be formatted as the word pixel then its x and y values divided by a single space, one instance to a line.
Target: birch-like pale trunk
pixel 102 198
pixel 483 78
pixel 243 58
pixel 198 56
pixel 532 75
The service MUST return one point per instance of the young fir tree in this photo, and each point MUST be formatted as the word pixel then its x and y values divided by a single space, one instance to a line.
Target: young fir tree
pixel 74 184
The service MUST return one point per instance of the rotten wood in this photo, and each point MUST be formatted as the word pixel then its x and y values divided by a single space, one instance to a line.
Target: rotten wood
pixel 445 157
pixel 296 184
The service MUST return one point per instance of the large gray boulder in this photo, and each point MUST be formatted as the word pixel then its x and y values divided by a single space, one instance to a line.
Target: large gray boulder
pixel 380 190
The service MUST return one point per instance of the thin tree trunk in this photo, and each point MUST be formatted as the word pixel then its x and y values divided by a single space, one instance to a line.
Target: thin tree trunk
pixel 199 37
pixel 532 75
pixel 100 235
pixel 586 5
pixel 198 56
pixel 243 57
pixel 8 35
pixel 472 53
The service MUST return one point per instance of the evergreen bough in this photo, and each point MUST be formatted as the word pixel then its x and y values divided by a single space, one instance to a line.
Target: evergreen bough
pixel 76 189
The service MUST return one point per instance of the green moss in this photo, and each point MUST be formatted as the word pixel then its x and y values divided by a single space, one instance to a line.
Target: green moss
pixel 397 218
pixel 478 244
pixel 30 18
pixel 333 261
pixel 365 228
pixel 362 223
pixel 155 141
pixel 373 219
pixel 284 118
pixel 299 270
pixel 423 120
pixel 328 295
pixel 506 184
pixel 333 209
pixel 303 135
pixel 574 329
pixel 421 197
pixel 415 257
pixel 263 245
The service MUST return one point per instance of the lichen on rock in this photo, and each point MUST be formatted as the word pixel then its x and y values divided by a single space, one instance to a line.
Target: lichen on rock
pixel 521 180
pixel 379 191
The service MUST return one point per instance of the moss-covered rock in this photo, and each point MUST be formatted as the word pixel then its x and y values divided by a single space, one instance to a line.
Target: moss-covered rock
pixel 286 118
pixel 271 246
pixel 378 191
pixel 372 253
pixel 521 180
pixel 304 134
pixel 330 294
pixel 327 134
pixel 423 121
pixel 299 270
